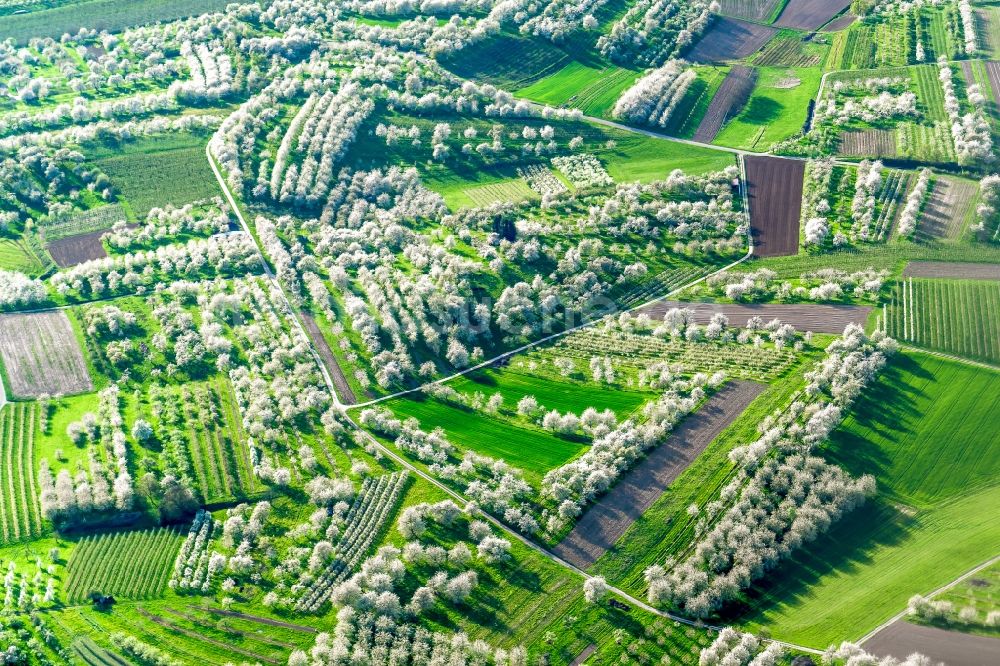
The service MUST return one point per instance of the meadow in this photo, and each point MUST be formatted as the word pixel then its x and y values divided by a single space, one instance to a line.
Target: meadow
pixel 593 90
pixel 158 171
pixel 919 432
pixel 776 111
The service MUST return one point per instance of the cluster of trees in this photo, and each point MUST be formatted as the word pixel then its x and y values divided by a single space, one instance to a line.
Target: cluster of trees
pixel 280 380
pixel 144 653
pixel 196 568
pixel 731 648
pixel 211 73
pixel 583 170
pixel 928 610
pixel 18 290
pixel 914 202
pixel 371 636
pixel 968 17
pixel 542 180
pixel 890 99
pixel 867 183
pixel 849 654
pixel 66 498
pixel 80 111
pixel 138 272
pixel 652 31
pixel 25 594
pixel 989 206
pixel 786 504
pixel 654 97
pixel 825 284
pixel 319 134
pixel 350 539
pixel 163 224
pixel 971 131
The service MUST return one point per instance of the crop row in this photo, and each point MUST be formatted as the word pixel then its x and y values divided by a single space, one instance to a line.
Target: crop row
pixel 961 318
pixel 19 512
pixel 373 506
pixel 131 565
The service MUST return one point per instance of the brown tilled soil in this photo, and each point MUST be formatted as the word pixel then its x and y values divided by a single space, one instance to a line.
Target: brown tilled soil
pixel 74 250
pixel 804 317
pixel 730 39
pixel 841 22
pixel 810 14
pixel 868 143
pixel 967 73
pixel 336 374
pixel 757 11
pixel 730 98
pixel 41 355
pixel 604 522
pixel 585 655
pixel 947 207
pixel 993 70
pixel 901 639
pixel 954 270
pixel 774 187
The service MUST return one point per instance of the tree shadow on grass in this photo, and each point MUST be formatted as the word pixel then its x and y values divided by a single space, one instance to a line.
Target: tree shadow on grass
pixel 842 550
pixel 884 410
pixel 761 111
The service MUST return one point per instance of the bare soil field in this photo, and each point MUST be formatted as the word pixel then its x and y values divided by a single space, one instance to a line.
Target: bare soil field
pixel 810 14
pixel 585 655
pixel 41 356
pixel 993 69
pixel 774 187
pixel 752 10
pixel 804 317
pixel 74 250
pixel 967 73
pixel 841 22
pixel 336 374
pixel 953 270
pixel 947 208
pixel 604 522
pixel 868 143
pixel 730 98
pixel 901 639
pixel 730 39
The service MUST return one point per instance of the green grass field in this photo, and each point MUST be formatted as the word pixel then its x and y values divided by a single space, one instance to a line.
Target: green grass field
pixel 593 90
pixel 919 431
pixel 565 395
pixel 161 170
pixel 532 449
pixel 15 256
pixel 774 112
pixel 643 158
